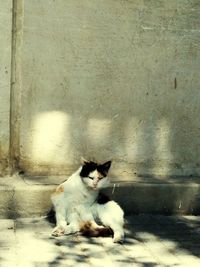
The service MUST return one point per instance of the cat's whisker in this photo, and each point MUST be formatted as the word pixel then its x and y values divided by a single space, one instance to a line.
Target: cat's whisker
pixel 113 190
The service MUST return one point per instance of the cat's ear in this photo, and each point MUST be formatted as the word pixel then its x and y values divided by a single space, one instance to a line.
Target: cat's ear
pixel 84 161
pixel 106 166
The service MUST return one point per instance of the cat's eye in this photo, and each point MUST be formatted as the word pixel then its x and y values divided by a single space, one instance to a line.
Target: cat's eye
pixel 92 178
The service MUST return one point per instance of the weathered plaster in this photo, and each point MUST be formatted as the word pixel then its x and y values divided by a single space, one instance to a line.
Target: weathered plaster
pixel 111 80
pixel 5 76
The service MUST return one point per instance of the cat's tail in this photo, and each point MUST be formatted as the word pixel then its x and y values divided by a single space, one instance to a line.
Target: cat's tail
pixel 88 229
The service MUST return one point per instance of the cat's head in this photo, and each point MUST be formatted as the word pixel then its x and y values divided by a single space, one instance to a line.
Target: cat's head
pixel 94 175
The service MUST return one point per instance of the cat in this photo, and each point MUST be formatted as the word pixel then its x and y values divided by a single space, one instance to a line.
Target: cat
pixel 81 207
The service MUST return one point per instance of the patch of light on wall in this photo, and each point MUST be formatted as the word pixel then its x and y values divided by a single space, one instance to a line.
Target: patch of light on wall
pixel 132 136
pixel 98 130
pixel 162 151
pixel 50 140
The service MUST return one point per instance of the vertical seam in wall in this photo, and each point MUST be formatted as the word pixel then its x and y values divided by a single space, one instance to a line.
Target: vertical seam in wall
pixel 15 84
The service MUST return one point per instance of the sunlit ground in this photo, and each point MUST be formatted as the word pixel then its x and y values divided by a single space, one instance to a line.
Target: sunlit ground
pixel 150 241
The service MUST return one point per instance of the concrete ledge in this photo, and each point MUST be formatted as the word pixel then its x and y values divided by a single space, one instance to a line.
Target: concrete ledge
pixel 29 196
pixel 163 198
pixel 20 199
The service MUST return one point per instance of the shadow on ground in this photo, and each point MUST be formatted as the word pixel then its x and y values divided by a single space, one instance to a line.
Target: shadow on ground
pixel 182 232
pixel 150 241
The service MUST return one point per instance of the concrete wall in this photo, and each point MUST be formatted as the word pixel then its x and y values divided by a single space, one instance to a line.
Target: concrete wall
pixel 111 79
pixel 5 78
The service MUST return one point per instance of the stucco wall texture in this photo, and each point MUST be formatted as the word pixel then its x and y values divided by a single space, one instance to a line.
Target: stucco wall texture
pixel 110 79
pixel 5 78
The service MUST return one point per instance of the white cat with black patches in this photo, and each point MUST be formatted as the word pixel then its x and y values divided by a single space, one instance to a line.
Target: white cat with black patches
pixel 79 205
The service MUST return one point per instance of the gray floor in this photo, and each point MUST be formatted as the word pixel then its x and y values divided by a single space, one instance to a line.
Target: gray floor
pixel 150 241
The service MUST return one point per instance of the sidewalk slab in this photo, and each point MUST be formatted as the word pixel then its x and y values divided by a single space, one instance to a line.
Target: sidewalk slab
pixel 150 241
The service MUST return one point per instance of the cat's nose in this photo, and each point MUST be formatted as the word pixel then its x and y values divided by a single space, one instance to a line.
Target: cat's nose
pixel 95 183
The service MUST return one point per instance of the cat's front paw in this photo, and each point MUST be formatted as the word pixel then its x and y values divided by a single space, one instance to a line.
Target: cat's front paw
pixel 118 238
pixel 58 231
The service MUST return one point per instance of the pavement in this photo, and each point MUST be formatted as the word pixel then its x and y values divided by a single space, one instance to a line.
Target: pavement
pixel 149 241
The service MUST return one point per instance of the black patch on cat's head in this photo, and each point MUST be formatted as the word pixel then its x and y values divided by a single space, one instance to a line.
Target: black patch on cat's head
pixel 90 166
pixel 87 168
pixel 104 168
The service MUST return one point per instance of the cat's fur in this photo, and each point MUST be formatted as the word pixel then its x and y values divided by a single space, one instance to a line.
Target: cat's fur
pixel 79 205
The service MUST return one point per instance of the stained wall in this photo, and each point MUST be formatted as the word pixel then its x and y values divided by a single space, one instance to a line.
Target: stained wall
pixel 110 80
